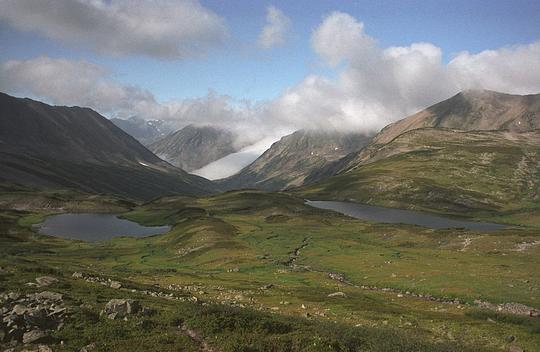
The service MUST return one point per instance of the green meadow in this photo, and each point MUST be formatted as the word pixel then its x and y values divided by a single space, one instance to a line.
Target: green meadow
pixel 258 271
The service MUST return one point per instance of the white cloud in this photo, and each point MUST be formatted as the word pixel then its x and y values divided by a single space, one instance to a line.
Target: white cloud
pixel 276 27
pixel 159 28
pixel 376 86
pixel 66 82
pixel 512 69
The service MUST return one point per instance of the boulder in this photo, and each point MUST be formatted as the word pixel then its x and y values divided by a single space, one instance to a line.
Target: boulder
pixel 77 275
pixel 515 348
pixel 46 281
pixel 48 296
pixel 34 336
pixel 89 347
pixel 121 308
pixel 115 284
pixel 337 294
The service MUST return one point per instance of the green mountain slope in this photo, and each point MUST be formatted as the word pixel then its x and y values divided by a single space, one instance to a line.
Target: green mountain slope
pixel 444 170
pixel 289 161
pixel 57 147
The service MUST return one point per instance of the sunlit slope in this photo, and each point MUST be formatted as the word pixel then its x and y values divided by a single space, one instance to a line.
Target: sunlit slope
pixel 444 170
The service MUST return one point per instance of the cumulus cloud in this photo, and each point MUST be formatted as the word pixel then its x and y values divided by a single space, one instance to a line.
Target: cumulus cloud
pixel 376 86
pixel 276 27
pixel 159 28
pixel 67 82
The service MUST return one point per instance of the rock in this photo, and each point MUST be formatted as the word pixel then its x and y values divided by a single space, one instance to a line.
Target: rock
pixel 267 286
pixel 14 296
pixel 34 336
pixel 122 307
pixel 77 275
pixel 44 348
pixel 515 348
pixel 47 296
pixel 88 348
pixel 148 312
pixel 19 309
pixel 337 294
pixel 115 284
pixel 510 338
pixel 46 281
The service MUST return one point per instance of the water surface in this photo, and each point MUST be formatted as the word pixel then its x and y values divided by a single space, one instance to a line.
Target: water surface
pixel 95 227
pixel 390 215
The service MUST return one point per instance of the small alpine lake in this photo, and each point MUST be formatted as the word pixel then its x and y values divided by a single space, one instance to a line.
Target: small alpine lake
pixel 95 227
pixel 401 216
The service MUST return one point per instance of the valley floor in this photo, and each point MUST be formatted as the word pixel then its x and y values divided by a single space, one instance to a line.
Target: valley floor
pixel 255 271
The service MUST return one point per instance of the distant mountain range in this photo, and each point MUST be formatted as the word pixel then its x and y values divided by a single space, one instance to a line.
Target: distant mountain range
pixel 193 147
pixel 290 160
pixel 72 147
pixel 476 150
pixel 145 131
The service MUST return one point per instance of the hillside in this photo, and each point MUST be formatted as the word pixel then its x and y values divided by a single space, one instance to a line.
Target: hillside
pixel 57 147
pixel 472 110
pixel 445 170
pixel 290 160
pixel 193 147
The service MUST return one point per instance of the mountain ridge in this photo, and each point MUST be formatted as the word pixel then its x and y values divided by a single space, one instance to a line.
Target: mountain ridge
pixel 57 146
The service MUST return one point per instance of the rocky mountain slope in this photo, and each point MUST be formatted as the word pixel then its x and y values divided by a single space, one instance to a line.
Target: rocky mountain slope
pixel 71 147
pixel 193 147
pixel 476 150
pixel 445 170
pixel 293 158
pixel 145 131
pixel 472 110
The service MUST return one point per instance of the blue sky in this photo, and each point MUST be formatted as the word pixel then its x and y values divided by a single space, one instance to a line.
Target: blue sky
pixel 242 70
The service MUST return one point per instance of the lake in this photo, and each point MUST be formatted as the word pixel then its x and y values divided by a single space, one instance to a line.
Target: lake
pixel 95 227
pixel 390 215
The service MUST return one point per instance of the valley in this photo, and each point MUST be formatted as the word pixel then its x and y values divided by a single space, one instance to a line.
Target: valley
pixel 246 263
pixel 267 257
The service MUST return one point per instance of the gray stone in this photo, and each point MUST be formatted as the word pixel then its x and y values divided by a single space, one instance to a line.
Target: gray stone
pixel 46 281
pixel 89 347
pixel 34 336
pixel 515 348
pixel 337 294
pixel 48 296
pixel 115 284
pixel 77 275
pixel 14 296
pixel 122 307
pixel 19 309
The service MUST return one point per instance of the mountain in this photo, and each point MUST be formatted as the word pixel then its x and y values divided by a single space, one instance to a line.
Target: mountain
pixel 479 150
pixel 290 160
pixel 193 147
pixel 145 131
pixel 472 110
pixel 469 110
pixel 72 147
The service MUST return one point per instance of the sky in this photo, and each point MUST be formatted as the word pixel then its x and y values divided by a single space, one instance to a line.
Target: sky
pixel 266 68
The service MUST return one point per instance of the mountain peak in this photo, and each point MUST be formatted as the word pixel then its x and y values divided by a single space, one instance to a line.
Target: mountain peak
pixel 472 109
